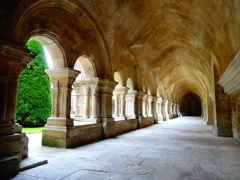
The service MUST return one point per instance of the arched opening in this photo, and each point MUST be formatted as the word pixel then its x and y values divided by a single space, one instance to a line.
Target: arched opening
pixel 119 79
pixel 118 100
pixel 34 102
pixel 130 84
pixel 54 50
pixel 130 99
pixel 83 89
pixel 191 105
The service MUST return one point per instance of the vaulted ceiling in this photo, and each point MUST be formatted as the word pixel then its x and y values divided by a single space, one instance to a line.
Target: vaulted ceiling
pixel 175 44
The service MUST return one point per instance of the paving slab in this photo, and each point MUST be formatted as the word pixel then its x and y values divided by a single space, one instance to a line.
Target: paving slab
pixel 179 149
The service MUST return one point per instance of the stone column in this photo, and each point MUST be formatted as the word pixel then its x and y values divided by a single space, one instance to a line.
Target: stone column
pixel 121 92
pixel 122 106
pixel 115 98
pixel 165 110
pixel 149 109
pixel 105 95
pixel 86 101
pixel 13 143
pixel 131 104
pixel 178 111
pixel 79 94
pixel 95 102
pixel 55 132
pixel 144 105
pixel 159 108
pixel 175 110
pixel 223 123
pixel 170 109
pixel 211 111
pixel 154 109
pixel 140 96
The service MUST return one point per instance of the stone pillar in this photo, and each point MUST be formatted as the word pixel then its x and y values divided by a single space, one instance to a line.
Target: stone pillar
pixel 178 111
pixel 211 111
pixel 144 105
pixel 170 109
pixel 95 102
pixel 174 110
pixel 115 98
pixel 205 112
pixel 131 104
pixel 79 102
pixel 105 95
pixel 165 110
pixel 140 95
pixel 13 143
pixel 89 90
pixel 149 107
pixel 122 106
pixel 159 109
pixel 222 124
pixel 55 132
pixel 154 109
pixel 86 100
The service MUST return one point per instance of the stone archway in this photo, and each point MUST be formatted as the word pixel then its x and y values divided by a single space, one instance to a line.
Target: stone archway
pixel 191 105
pixel 85 93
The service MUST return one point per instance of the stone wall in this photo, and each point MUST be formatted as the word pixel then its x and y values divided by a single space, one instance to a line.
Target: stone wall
pixel 235 105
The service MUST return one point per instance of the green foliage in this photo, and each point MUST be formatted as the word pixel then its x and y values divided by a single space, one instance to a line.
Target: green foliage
pixel 32 130
pixel 34 94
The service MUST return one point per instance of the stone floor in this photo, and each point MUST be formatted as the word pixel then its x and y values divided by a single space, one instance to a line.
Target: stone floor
pixel 179 149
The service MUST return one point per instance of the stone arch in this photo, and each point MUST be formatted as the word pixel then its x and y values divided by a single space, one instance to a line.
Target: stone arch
pixel 54 49
pixel 85 64
pixel 118 77
pixel 130 83
pixel 84 26
pixel 149 91
pixel 82 91
pixel 191 105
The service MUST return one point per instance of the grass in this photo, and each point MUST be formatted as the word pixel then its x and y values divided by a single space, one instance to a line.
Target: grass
pixel 30 130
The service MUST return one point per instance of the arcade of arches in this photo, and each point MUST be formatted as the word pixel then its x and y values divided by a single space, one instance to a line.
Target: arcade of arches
pixel 121 65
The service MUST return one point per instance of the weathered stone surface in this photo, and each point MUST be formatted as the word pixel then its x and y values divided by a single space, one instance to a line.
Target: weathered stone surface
pixel 158 48
pixel 183 148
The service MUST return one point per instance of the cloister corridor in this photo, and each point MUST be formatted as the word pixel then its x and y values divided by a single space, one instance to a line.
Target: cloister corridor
pixel 181 148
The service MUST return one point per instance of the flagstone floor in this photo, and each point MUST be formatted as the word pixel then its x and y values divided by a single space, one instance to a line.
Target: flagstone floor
pixel 179 149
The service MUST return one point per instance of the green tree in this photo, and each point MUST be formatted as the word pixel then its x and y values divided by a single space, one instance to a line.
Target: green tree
pixel 34 94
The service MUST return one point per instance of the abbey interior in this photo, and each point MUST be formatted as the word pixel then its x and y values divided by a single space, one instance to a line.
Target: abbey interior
pixel 121 65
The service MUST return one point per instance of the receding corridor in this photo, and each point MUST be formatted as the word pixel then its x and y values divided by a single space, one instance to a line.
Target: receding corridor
pixel 182 148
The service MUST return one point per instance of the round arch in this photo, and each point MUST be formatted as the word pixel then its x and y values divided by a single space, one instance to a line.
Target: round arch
pixel 54 49
pixel 84 30
pixel 118 77
pixel 191 105
pixel 86 65
pixel 130 83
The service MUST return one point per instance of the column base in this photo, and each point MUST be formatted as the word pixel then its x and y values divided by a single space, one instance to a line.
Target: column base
pixel 9 166
pixel 165 117
pixel 109 127
pixel 222 131
pixel 160 117
pixel 236 134
pixel 11 152
pixel 55 136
